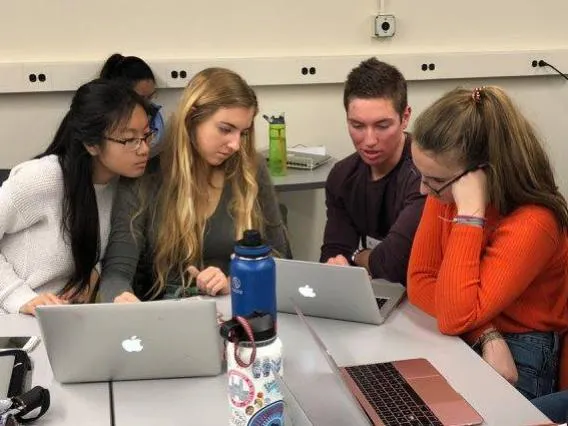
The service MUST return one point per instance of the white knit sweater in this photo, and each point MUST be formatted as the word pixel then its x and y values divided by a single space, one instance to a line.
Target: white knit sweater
pixel 34 255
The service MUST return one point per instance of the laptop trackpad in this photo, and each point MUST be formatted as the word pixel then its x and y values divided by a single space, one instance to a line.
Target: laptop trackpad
pixel 417 368
pixel 449 406
pixel 434 389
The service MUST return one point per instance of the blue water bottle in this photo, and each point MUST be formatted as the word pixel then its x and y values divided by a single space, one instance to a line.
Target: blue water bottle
pixel 253 277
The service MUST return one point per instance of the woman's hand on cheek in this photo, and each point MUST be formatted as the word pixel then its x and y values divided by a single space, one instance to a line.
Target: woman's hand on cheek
pixel 470 194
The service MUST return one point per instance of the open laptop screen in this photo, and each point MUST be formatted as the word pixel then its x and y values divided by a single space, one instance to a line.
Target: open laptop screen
pixel 294 413
pixel 332 364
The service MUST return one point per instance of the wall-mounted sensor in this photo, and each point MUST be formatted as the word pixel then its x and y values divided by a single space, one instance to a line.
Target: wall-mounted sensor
pixel 385 25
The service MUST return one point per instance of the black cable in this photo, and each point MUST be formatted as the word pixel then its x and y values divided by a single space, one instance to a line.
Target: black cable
pixel 542 63
pixel 111 403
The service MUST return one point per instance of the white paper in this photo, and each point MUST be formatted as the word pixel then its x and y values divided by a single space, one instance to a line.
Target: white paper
pixel 319 149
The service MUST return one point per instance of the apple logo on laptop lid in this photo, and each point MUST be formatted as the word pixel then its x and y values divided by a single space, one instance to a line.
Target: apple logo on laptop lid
pixel 307 291
pixel 132 344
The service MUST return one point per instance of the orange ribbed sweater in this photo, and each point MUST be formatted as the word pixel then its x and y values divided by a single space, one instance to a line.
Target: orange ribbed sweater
pixel 511 275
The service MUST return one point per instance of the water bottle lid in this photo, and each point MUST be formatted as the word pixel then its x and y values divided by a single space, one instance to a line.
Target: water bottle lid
pixel 251 244
pixel 262 327
pixel 251 238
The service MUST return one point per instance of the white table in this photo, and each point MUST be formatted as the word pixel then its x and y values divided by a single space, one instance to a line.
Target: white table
pixel 407 334
pixel 299 180
pixel 79 404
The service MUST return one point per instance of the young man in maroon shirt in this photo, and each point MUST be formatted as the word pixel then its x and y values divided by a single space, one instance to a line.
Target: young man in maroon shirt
pixel 373 196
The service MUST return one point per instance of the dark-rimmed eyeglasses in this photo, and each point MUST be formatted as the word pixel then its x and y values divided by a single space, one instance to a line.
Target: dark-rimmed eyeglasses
pixel 438 191
pixel 134 144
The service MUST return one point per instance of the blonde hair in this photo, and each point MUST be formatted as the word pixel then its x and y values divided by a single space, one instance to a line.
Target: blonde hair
pixel 483 126
pixel 182 201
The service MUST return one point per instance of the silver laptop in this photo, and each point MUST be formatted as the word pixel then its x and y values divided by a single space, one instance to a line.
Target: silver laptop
pixel 405 392
pixel 150 340
pixel 336 292
pixel 294 413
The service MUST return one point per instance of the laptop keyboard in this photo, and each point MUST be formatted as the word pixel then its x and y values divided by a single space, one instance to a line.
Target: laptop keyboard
pixel 381 301
pixel 393 399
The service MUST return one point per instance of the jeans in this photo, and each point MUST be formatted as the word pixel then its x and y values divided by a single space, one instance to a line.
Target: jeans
pixel 536 357
pixel 554 406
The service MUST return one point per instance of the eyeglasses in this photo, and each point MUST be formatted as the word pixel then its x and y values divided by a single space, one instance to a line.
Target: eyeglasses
pixel 438 191
pixel 134 144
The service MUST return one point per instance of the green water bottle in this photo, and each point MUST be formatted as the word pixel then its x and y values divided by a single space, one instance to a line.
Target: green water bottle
pixel 277 155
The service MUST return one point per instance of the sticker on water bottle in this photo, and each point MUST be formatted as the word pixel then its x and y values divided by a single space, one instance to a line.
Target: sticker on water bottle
pixel 272 415
pixel 241 389
pixel 277 365
pixel 271 387
pixel 238 418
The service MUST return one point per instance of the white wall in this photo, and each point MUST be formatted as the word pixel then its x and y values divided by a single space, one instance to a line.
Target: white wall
pixel 70 29
pixel 316 27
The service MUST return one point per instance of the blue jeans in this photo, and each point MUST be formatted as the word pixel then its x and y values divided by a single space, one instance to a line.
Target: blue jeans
pixel 554 406
pixel 536 357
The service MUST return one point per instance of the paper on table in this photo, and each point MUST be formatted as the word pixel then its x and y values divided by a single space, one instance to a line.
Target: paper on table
pixel 320 149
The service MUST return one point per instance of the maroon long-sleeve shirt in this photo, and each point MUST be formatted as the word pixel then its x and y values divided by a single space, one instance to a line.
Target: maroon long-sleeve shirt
pixel 388 209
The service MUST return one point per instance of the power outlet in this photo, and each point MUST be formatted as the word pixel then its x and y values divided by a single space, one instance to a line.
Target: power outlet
pixel 37 77
pixel 385 25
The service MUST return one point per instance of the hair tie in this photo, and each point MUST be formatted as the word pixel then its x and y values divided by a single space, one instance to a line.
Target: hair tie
pixel 476 94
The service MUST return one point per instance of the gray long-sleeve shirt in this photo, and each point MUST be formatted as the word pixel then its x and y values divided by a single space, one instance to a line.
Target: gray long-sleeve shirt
pixel 128 264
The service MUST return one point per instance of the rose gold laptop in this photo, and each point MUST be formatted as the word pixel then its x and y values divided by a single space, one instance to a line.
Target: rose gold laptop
pixel 407 392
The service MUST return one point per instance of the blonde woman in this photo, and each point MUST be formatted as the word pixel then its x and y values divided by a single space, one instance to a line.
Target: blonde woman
pixel 176 227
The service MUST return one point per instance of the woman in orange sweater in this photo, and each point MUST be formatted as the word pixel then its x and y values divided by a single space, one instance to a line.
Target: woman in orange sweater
pixel 489 260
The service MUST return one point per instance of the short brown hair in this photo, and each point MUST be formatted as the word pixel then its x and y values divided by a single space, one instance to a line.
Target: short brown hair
pixel 375 79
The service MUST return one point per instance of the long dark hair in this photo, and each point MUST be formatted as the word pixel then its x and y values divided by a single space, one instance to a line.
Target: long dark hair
pixel 129 69
pixel 97 108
